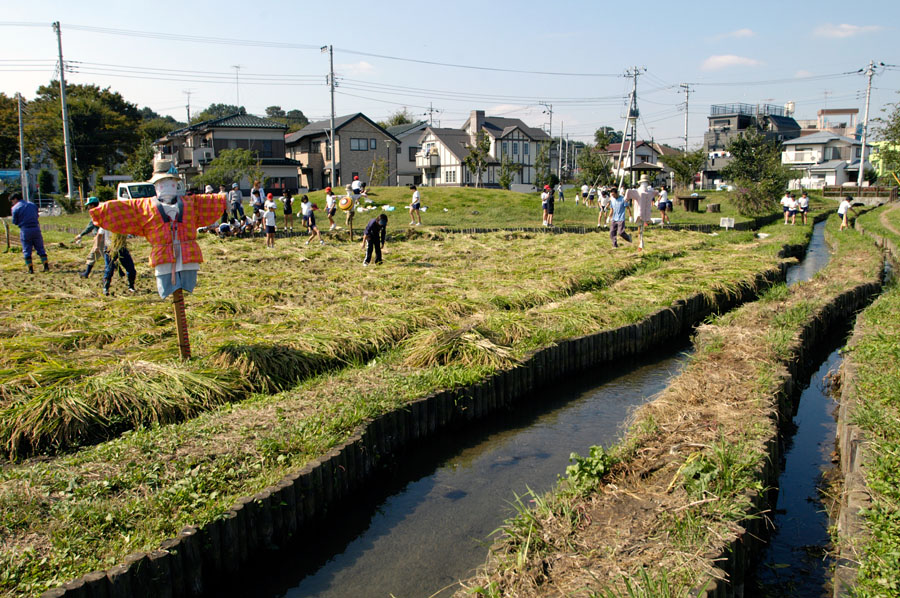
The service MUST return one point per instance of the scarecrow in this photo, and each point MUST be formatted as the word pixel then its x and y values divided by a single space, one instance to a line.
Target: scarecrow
pixel 169 222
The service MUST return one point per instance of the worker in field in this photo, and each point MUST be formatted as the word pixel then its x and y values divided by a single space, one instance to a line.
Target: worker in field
pixel 96 251
pixel 374 237
pixel 25 216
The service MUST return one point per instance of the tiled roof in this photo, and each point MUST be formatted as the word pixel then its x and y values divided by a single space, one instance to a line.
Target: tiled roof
pixel 400 130
pixel 455 140
pixel 320 127
pixel 820 137
pixel 232 121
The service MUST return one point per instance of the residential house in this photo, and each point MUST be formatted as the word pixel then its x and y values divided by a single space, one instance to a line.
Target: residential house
pixel 824 158
pixel 194 147
pixel 882 167
pixel 825 121
pixel 408 134
pixel 359 143
pixel 443 151
pixel 727 122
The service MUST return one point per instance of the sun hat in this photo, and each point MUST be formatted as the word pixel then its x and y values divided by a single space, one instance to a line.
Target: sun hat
pixel 92 200
pixel 163 169
pixel 234 185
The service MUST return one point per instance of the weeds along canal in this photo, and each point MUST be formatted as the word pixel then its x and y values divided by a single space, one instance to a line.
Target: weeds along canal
pixel 429 523
pixel 424 531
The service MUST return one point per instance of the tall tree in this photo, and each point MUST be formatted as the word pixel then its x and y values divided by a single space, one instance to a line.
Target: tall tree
pixel 685 165
pixel 594 165
pixel 888 130
pixel 478 157
pixel 508 171
pixel 275 112
pixel 218 111
pixel 103 125
pixel 757 173
pixel 230 166
pixel 542 175
pixel 606 135
pixel 9 131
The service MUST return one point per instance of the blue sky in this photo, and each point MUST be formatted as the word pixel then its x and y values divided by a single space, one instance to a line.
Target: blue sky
pixel 763 52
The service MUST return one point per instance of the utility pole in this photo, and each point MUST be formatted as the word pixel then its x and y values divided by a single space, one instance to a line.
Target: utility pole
pixel 67 136
pixel 330 50
pixel 549 110
pixel 631 121
pixel 237 85
pixel 23 176
pixel 430 114
pixel 562 127
pixel 870 71
pixel 188 92
pixel 687 96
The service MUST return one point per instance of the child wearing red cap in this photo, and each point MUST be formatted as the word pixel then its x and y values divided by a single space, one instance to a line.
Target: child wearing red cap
pixel 547 205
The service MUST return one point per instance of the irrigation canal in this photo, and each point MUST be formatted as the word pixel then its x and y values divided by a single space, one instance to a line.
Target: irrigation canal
pixel 416 536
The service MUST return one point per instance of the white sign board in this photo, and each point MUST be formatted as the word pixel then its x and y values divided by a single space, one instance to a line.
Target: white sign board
pixel 726 223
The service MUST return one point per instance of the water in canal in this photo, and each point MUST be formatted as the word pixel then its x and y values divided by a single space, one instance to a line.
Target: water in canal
pixel 424 533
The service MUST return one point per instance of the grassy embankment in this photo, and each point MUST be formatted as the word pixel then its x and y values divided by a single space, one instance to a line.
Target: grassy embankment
pixel 69 514
pixel 876 358
pixel 649 514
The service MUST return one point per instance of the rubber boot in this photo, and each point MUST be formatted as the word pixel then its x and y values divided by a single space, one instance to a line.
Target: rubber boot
pixel 30 266
pixel 46 264
pixel 87 271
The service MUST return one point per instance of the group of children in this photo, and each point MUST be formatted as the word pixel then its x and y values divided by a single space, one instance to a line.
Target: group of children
pixel 791 206
pixel 603 199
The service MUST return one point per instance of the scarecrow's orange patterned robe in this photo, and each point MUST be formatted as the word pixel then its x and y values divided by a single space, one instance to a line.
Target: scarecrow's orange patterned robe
pixel 141 217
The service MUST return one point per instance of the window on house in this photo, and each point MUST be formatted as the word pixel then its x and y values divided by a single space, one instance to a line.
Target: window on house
pixel 232 144
pixel 372 144
pixel 327 151
pixel 525 147
pixel 359 145
pixel 266 149
pixel 504 149
pixel 515 148
pixel 413 150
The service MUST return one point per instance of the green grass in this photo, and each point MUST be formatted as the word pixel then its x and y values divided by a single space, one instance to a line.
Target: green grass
pixel 876 354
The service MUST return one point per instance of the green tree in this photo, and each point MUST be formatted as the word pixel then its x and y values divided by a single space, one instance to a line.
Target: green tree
pixel 685 165
pixel 606 135
pixel 103 125
pixel 478 157
pixel 594 165
pixel 294 119
pixel 757 173
pixel 508 170
pixel 542 166
pixel 140 163
pixel 400 117
pixel 275 112
pixel 156 128
pixel 378 171
pixel 45 182
pixel 230 166
pixel 218 111
pixel 9 131
pixel 888 130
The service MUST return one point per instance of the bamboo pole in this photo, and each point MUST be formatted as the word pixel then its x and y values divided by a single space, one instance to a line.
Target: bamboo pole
pixel 184 344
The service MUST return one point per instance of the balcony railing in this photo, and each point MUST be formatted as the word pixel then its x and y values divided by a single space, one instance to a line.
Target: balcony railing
pixel 427 160
pixel 801 157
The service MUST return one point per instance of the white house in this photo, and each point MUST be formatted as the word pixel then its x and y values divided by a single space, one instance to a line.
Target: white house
pixel 408 135
pixel 443 151
pixel 824 158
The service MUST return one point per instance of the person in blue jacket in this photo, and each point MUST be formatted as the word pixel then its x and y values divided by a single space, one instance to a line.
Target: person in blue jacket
pixel 25 216
pixel 374 237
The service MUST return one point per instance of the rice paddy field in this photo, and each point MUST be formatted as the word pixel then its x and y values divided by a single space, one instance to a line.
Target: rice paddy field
pixel 113 444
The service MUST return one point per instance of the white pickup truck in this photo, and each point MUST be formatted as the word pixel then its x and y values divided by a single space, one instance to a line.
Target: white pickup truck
pixel 136 190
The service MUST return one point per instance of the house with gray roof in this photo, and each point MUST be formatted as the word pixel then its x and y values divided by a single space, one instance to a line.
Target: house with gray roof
pixel 360 145
pixel 443 151
pixel 408 134
pixel 824 158
pixel 194 147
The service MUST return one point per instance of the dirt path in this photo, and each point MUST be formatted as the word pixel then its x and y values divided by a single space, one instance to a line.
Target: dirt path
pixel 887 223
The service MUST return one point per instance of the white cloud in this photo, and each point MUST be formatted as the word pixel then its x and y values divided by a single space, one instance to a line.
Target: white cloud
pixel 743 32
pixel 801 73
pixel 356 68
pixel 844 30
pixel 723 61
